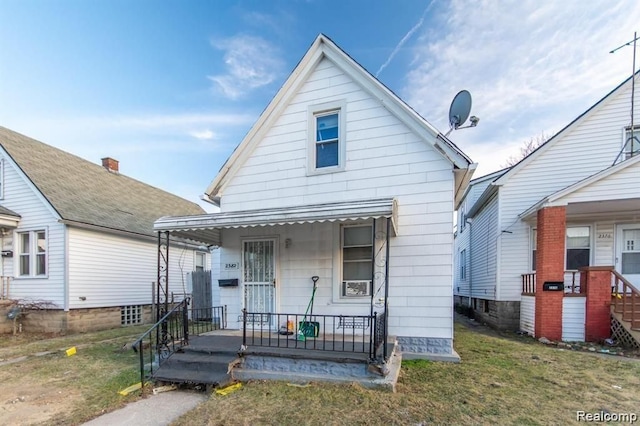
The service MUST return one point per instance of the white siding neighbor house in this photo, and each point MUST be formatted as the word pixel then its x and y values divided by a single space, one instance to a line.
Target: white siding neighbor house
pixel 77 238
pixel 584 185
pixel 339 180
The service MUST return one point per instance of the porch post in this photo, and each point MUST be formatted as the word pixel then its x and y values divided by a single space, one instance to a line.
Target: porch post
pixel 550 254
pixel 595 281
pixel 386 293
pixel 163 275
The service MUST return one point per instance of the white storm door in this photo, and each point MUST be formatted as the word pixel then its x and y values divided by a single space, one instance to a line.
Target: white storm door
pixel 628 261
pixel 258 278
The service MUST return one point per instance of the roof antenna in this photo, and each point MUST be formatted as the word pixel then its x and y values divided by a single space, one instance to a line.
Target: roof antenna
pixel 633 91
pixel 459 112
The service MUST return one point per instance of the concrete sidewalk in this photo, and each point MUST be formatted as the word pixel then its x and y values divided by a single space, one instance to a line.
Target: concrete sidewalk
pixel 155 410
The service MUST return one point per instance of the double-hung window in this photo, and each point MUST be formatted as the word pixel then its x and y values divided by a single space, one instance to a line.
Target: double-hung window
pixel 200 261
pixel 326 152
pixel 327 140
pixel 463 264
pixel 357 252
pixel 578 247
pixel 32 253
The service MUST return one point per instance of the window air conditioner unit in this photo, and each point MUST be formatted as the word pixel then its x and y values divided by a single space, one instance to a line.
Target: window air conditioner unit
pixel 356 288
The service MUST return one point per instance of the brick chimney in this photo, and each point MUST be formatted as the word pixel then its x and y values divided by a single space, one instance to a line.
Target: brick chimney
pixel 110 164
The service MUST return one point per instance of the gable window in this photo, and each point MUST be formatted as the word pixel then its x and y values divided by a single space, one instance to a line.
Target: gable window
pixel 463 217
pixel 326 152
pixel 357 252
pixel 578 247
pixel 463 264
pixel 631 144
pixel 32 250
pixel 200 261
pixel 327 140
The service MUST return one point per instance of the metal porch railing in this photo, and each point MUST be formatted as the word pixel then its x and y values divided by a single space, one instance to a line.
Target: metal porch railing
pixel 172 332
pixel 333 333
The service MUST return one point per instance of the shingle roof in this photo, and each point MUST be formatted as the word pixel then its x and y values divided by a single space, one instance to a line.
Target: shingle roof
pixel 6 212
pixel 84 192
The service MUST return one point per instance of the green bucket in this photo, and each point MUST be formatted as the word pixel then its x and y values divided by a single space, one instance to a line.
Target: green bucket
pixel 309 328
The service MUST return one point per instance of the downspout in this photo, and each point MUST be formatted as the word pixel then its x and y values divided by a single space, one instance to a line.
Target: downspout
pixel 469 269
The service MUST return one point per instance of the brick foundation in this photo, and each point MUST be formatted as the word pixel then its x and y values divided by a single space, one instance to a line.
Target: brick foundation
pixel 75 320
pixel 550 256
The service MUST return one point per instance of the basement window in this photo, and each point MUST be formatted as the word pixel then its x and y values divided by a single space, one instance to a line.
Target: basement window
pixel 131 315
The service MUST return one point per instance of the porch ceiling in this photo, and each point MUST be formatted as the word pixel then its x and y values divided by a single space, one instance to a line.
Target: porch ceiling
pixel 206 229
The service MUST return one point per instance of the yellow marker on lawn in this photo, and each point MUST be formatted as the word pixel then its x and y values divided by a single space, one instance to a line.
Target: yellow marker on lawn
pixel 227 390
pixel 71 351
pixel 130 389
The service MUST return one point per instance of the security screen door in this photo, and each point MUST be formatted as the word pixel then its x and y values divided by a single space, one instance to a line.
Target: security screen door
pixel 259 279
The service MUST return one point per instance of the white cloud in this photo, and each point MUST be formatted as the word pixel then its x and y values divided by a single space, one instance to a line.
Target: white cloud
pixel 251 62
pixel 404 39
pixel 531 67
pixel 202 134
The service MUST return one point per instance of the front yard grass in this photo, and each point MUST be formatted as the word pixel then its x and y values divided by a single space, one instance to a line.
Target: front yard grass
pixel 499 381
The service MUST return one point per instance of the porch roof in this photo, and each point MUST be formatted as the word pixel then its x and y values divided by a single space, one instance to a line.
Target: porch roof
pixel 207 228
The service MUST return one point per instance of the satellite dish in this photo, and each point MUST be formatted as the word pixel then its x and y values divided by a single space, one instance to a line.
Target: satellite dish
pixel 459 109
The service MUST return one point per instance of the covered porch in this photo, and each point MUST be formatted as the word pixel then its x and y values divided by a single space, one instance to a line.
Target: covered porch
pixel 585 253
pixel 310 277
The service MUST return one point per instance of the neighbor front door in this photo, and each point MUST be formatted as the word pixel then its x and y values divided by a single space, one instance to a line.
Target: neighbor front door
pixel 628 253
pixel 259 279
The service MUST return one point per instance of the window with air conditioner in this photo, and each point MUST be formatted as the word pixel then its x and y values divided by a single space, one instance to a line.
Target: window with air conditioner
pixel 357 252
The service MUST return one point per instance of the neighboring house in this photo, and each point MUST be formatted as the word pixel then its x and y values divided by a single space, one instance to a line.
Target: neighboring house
pixel 588 176
pixel 78 238
pixel 337 176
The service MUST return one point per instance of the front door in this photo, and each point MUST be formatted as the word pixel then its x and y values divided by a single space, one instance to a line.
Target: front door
pixel 259 279
pixel 628 253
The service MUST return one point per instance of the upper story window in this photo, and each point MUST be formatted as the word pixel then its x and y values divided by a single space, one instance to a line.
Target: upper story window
pixel 463 217
pixel 327 150
pixel 32 253
pixel 357 261
pixel 631 143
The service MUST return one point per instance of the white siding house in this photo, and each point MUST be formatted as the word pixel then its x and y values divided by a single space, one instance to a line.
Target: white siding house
pixel 78 237
pixel 336 173
pixel 591 169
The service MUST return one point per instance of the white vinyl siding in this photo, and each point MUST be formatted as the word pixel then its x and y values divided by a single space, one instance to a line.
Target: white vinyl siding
pixel 573 318
pixel 384 158
pixel 528 314
pixel 484 243
pixel 587 147
pixel 21 197
pixel 111 270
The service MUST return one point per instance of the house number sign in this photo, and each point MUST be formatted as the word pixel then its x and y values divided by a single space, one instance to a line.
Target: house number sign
pixel 231 266
pixel 604 236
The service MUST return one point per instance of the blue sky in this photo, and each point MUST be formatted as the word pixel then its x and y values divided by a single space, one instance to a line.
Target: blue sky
pixel 169 88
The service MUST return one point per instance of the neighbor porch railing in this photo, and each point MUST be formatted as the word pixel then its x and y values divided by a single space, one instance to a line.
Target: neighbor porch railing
pixel 334 333
pixel 625 299
pixel 571 283
pixel 5 282
pixel 172 332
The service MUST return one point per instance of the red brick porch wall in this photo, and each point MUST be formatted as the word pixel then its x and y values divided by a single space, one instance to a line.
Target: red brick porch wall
pixel 550 253
pixel 597 282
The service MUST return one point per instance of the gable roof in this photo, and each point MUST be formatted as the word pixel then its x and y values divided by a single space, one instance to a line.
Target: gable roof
pixel 560 197
pixel 87 194
pixel 323 47
pixel 526 160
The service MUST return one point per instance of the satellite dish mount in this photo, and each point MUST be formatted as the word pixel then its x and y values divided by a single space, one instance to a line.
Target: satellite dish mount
pixel 459 112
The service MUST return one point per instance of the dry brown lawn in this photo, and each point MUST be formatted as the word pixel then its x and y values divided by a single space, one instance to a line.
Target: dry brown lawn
pixel 501 380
